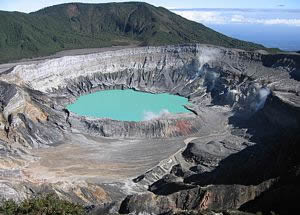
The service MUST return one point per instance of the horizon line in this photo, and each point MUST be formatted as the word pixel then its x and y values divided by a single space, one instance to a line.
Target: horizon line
pixel 207 8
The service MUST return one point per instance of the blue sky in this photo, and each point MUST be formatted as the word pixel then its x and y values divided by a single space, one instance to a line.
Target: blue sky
pixel 33 5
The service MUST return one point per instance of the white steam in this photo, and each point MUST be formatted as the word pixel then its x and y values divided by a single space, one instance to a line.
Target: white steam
pixel 148 115
pixel 262 96
pixel 207 55
pixel 210 79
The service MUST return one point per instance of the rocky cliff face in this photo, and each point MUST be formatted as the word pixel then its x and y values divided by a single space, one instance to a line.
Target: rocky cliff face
pixel 241 135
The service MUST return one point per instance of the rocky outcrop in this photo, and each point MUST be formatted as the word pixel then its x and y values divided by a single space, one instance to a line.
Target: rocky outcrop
pixel 215 197
pixel 241 135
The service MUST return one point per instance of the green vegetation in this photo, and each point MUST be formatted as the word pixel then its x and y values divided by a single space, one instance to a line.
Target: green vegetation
pixel 76 25
pixel 47 205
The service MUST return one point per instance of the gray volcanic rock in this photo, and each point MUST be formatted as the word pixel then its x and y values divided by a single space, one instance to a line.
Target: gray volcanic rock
pixel 208 154
pixel 216 197
pixel 241 136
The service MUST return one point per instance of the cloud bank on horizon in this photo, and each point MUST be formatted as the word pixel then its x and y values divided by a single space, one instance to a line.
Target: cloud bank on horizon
pixel 242 16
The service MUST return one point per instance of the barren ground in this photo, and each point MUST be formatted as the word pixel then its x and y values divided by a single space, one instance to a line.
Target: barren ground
pixel 99 159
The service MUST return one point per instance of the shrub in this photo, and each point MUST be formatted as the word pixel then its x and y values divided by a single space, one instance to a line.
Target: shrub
pixel 43 205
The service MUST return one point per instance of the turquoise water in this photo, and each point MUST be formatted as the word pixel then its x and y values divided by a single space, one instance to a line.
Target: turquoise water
pixel 128 105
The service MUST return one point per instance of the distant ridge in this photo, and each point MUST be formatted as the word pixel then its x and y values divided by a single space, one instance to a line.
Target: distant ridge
pixel 78 25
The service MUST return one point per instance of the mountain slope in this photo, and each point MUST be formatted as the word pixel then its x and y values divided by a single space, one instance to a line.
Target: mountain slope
pixel 77 25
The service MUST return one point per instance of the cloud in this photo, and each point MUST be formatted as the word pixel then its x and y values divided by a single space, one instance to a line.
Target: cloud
pixel 295 22
pixel 148 115
pixel 239 19
pixel 202 16
pixel 241 16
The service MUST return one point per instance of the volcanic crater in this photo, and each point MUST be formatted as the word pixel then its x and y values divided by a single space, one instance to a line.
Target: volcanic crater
pixel 239 140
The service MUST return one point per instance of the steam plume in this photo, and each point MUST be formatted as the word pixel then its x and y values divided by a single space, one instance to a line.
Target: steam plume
pixel 148 115
pixel 262 96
